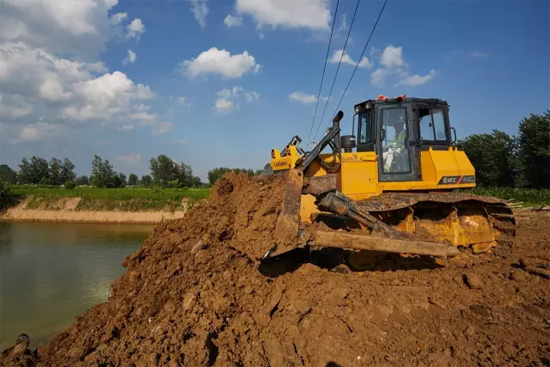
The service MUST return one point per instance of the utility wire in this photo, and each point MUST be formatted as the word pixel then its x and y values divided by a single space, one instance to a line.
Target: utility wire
pixel 324 69
pixel 338 68
pixel 360 57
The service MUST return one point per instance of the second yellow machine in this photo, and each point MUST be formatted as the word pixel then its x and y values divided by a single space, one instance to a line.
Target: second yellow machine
pixel 395 177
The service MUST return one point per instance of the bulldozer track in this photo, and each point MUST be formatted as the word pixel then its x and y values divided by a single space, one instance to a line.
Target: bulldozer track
pixel 460 218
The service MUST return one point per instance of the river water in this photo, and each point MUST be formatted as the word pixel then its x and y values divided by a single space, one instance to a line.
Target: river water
pixel 52 272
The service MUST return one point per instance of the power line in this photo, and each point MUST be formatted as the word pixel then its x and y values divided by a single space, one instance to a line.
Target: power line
pixel 360 57
pixel 324 69
pixel 338 68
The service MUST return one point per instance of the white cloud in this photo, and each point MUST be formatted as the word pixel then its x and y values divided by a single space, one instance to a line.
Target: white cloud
pixel 478 55
pixel 135 28
pixel 304 97
pixel 107 97
pixel 343 25
pixel 346 59
pixel 118 18
pixel 378 76
pixel 38 131
pixel 231 21
pixel 414 80
pixel 14 106
pixel 145 118
pixel 38 84
pixel 76 27
pixel 221 62
pixel 223 105
pixel 309 14
pixel 181 100
pixel 162 128
pixel 251 96
pixel 199 10
pixel 179 142
pixel 227 99
pixel 461 54
pixel 392 57
pixel 130 158
pixel 126 128
pixel 52 90
pixel 394 68
pixel 130 57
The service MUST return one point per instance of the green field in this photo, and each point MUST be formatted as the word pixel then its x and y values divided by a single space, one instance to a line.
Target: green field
pixel 154 199
pixel 529 197
pixel 124 199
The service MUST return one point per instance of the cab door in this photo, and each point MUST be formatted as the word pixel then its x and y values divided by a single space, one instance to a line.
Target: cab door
pixel 396 144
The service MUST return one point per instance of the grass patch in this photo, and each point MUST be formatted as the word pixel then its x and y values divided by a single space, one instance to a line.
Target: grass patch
pixel 124 199
pixel 529 197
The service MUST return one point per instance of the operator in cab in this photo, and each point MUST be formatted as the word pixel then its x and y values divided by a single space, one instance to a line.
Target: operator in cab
pixel 397 145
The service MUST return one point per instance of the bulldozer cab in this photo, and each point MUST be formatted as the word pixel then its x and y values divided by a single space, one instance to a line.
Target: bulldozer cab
pixel 397 130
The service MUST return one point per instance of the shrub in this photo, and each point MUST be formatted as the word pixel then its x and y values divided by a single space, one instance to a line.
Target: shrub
pixel 69 185
pixel 7 198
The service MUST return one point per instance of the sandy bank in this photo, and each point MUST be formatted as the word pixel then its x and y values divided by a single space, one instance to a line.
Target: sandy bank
pixel 68 213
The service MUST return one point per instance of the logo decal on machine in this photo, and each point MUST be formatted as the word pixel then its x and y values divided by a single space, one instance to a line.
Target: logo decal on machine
pixel 454 180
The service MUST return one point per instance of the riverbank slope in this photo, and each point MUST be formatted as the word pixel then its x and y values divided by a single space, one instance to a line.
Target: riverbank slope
pixel 67 214
pixel 92 205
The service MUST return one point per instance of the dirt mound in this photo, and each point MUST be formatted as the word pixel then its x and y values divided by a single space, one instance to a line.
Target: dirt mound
pixel 191 297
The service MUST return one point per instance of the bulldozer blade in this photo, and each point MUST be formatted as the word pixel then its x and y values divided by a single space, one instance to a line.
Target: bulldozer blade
pixel 357 242
pixel 288 222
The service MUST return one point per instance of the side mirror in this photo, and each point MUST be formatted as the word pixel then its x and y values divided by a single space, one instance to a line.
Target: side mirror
pixel 382 135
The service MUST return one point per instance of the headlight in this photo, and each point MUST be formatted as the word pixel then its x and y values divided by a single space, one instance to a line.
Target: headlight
pixel 368 105
pixel 357 109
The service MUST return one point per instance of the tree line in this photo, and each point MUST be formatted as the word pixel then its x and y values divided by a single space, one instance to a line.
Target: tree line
pixel 164 172
pixel 502 160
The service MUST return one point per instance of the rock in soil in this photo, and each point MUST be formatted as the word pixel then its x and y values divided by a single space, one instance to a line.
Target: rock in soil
pixel 473 281
pixel 221 308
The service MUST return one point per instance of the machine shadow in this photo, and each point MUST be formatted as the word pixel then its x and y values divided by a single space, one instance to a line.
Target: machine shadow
pixel 343 261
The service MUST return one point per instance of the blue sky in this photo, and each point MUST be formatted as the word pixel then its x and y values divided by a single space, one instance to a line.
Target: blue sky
pixel 220 83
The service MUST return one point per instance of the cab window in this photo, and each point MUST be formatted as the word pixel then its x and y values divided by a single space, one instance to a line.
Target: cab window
pixel 364 122
pixel 432 124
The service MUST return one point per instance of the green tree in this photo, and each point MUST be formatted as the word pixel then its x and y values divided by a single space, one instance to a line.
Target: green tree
pixel 55 170
pixel 534 150
pixel 67 171
pixel 103 174
pixel 146 180
pixel 25 172
pixel 196 182
pixel 164 170
pixel 185 175
pixel 7 174
pixel 39 171
pixel 493 157
pixel 82 180
pixel 119 180
pixel 7 198
pixel 132 180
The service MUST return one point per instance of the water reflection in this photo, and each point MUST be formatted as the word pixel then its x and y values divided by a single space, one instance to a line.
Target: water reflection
pixel 52 272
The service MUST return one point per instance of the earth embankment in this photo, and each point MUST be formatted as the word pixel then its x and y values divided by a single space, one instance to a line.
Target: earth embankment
pixel 190 298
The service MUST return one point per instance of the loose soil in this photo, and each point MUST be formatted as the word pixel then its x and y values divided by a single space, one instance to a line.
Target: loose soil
pixel 190 297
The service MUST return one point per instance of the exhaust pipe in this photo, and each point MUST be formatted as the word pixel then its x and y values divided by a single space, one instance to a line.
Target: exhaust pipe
pixel 336 125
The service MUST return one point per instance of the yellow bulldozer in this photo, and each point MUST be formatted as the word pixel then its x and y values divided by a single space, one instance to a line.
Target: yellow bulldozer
pixel 395 185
